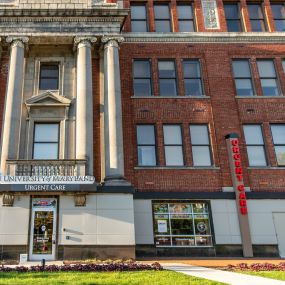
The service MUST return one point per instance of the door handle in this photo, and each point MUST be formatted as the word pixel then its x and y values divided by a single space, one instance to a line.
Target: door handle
pixel 53 242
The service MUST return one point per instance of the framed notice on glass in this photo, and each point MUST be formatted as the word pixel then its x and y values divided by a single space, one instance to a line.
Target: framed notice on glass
pixel 162 226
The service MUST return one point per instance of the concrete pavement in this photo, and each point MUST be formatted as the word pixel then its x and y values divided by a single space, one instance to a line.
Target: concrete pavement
pixel 227 277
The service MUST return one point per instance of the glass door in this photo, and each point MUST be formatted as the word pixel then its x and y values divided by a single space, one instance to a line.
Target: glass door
pixel 43 229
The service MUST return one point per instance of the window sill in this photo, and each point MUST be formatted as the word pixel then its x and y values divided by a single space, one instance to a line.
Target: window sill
pixel 260 97
pixel 266 167
pixel 178 167
pixel 172 97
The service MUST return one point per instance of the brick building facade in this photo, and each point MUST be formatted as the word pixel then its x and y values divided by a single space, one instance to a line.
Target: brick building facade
pixel 177 110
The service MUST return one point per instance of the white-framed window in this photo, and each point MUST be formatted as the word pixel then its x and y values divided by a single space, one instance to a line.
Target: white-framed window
pixel 255 145
pixel 46 141
pixel 201 148
pixel 173 146
pixel 278 137
pixel 146 145
pixel 49 75
pixel 181 224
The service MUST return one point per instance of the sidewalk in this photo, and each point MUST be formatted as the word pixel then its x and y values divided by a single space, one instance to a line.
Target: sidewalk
pixel 220 275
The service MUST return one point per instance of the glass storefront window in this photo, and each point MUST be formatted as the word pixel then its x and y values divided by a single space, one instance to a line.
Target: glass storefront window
pixel 182 224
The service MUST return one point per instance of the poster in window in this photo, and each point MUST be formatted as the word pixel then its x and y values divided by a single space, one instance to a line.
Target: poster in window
pixel 162 226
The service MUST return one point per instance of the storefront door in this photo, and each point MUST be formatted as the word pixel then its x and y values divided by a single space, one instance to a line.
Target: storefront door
pixel 43 229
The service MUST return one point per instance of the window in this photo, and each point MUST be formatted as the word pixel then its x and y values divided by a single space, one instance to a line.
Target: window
pixel 243 80
pixel 138 18
pixel 173 145
pixel 192 78
pixel 278 12
pixel 49 75
pixel 142 78
pixel 268 78
pixel 46 141
pixel 278 135
pixel 167 78
pixel 183 224
pixel 232 14
pixel 201 151
pixel 146 145
pixel 254 145
pixel 185 18
pixel 256 18
pixel 283 65
pixel 162 18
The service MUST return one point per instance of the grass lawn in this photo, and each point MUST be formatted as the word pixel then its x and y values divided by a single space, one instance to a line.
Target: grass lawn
pixel 279 275
pixel 164 277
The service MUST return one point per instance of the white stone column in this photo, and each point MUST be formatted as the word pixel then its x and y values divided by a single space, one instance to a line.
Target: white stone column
pixel 113 132
pixel 13 103
pixel 84 102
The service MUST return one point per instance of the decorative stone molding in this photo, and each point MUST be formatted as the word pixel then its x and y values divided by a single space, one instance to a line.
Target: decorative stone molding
pixel 203 37
pixel 84 41
pixel 80 200
pixel 112 41
pixel 8 200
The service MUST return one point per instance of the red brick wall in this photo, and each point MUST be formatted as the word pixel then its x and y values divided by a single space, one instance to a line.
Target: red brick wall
pixel 222 111
pixel 198 15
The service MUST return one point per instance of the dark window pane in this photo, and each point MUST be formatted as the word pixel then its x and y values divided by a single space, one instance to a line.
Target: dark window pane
pixel 167 87
pixel 185 12
pixel 173 155
pixel 280 25
pixel 255 11
pixel 191 69
pixel 49 70
pixel 241 68
pixel 234 26
pixel 257 26
pixel 48 84
pixel 145 134
pixel 231 11
pixel 166 69
pixel 186 26
pixel 278 11
pixel 138 12
pixel 193 87
pixel 180 226
pixel 142 87
pixel 161 12
pixel 141 69
pixel 162 26
pixel 244 87
pixel 269 87
pixel 139 26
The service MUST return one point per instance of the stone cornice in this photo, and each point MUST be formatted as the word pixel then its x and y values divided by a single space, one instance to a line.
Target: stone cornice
pixel 40 13
pixel 197 37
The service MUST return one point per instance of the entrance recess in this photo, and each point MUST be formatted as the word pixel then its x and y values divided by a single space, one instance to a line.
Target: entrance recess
pixel 279 222
pixel 43 229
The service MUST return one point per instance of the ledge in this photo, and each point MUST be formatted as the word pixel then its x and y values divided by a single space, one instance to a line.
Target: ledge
pixel 177 167
pixel 203 97
pixel 260 97
pixel 205 37
pixel 266 168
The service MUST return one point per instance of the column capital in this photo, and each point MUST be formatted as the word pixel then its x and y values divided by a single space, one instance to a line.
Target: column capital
pixel 17 41
pixel 84 41
pixel 112 41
